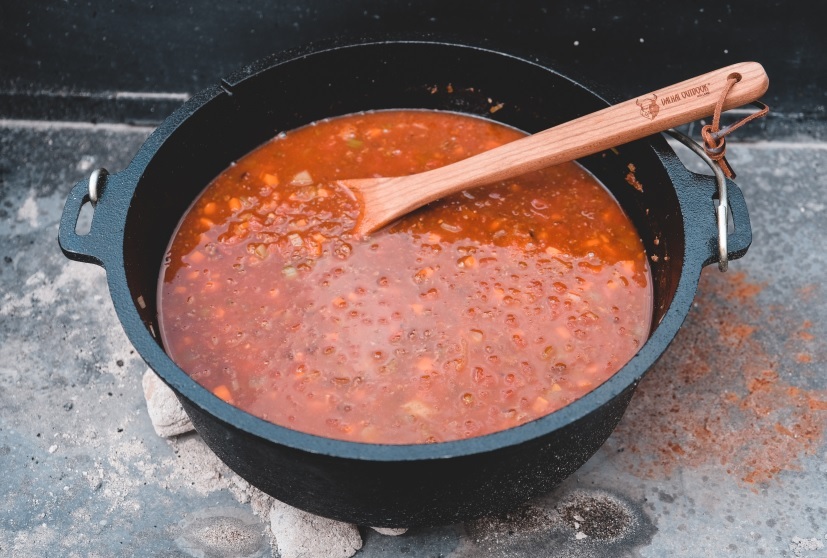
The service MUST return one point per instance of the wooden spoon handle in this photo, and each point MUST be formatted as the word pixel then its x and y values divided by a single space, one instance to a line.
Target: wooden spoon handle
pixel 636 118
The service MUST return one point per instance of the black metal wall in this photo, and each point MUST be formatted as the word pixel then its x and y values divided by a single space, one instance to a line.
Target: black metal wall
pixel 134 61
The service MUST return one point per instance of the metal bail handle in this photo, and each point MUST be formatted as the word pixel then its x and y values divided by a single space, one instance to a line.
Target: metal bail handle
pixel 95 179
pixel 722 211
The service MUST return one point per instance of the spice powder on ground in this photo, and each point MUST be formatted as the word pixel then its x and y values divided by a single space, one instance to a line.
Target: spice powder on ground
pixel 725 392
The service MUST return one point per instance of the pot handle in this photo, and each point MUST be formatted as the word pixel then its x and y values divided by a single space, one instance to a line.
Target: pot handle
pixel 86 248
pixel 739 241
pixel 724 246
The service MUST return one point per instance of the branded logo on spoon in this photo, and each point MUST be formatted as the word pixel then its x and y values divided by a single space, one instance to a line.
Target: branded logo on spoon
pixel 648 106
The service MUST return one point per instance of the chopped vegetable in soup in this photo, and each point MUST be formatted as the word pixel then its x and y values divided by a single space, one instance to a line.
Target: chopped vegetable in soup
pixel 477 313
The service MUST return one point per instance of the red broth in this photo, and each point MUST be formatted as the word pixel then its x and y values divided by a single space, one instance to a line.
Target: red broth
pixel 480 312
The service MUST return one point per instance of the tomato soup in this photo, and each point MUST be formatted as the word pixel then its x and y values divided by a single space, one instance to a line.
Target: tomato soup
pixel 477 313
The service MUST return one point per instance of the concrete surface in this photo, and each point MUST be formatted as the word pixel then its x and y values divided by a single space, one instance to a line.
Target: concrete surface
pixel 721 453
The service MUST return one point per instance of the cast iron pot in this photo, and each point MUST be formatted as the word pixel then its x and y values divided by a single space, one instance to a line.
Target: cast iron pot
pixel 137 211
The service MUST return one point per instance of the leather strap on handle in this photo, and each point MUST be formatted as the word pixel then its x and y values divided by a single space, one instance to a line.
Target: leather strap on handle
pixel 715 137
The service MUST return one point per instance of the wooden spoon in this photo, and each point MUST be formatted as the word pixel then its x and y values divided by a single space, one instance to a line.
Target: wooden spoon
pixel 386 199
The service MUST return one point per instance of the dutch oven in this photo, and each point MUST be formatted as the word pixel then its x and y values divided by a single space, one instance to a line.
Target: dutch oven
pixel 136 211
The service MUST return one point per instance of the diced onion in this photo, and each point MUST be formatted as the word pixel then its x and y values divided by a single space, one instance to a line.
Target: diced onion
pixel 302 178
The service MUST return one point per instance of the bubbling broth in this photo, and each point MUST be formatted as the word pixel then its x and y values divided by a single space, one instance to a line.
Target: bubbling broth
pixel 479 312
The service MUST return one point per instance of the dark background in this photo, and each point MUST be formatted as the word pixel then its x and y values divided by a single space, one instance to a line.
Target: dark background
pixel 135 62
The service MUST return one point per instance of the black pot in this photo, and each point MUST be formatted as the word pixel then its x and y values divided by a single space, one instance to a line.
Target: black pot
pixel 383 485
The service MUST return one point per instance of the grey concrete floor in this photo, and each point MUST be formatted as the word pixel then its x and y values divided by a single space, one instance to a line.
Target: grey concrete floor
pixel 721 453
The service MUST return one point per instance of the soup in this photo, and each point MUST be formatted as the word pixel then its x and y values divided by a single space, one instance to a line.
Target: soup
pixel 479 312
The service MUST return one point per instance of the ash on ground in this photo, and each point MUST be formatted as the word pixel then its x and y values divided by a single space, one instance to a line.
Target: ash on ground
pixel 583 523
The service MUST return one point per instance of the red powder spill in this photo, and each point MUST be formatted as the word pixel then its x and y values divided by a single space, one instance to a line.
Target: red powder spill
pixel 806 292
pixel 722 395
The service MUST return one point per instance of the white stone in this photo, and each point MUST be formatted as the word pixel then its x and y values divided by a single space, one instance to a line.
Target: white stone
pixel 300 534
pixel 166 413
pixel 390 531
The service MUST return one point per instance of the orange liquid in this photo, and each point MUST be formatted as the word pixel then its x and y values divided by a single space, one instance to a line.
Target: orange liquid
pixel 480 312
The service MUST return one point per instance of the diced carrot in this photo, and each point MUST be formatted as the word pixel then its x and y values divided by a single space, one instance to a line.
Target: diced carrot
pixel 223 392
pixel 210 208
pixel 424 363
pixel 234 204
pixel 370 433
pixel 423 274
pixel 467 262
pixel 540 405
pixel 270 179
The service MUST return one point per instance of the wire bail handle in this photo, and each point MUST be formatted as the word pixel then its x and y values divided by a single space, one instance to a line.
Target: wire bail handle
pixel 722 210
pixel 96 181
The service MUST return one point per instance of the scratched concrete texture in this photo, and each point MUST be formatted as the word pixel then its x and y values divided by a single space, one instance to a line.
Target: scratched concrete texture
pixel 721 453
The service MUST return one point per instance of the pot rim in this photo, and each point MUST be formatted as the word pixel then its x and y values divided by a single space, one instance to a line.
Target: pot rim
pixel 150 349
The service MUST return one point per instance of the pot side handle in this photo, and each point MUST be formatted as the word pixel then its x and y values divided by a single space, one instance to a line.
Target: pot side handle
pixel 86 248
pixel 738 241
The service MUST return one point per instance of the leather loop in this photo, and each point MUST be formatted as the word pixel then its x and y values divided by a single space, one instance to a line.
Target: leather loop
pixel 715 137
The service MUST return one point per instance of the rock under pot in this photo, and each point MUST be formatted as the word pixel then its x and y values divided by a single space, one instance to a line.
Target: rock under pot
pixel 136 212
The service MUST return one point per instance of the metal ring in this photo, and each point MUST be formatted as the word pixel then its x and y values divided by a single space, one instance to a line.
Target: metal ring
pixel 95 184
pixel 722 211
